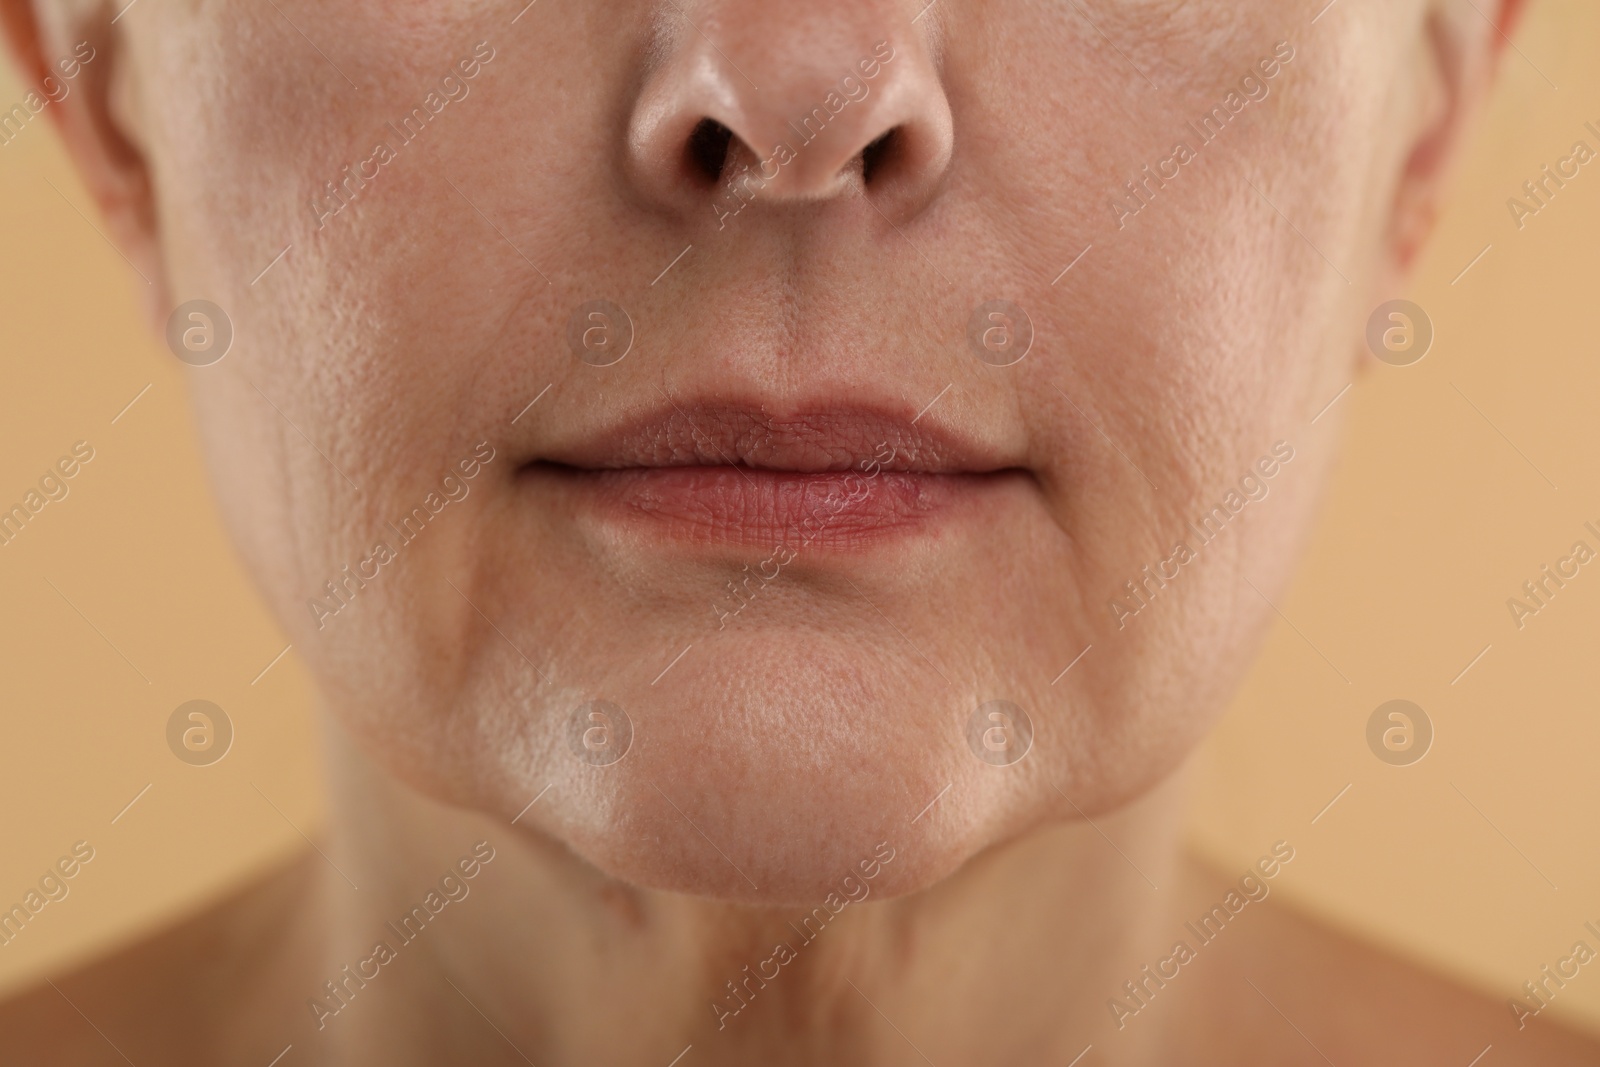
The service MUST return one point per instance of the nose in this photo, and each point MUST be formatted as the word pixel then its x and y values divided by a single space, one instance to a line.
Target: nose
pixel 756 101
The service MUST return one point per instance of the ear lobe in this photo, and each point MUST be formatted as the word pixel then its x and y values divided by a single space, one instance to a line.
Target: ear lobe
pixel 1458 55
pixel 79 48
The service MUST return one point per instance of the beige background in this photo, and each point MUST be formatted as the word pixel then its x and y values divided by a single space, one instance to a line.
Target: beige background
pixel 1480 860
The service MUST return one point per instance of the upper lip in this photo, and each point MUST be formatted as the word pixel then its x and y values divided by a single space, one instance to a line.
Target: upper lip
pixel 683 432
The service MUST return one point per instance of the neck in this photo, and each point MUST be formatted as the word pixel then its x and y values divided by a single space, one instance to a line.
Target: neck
pixel 539 957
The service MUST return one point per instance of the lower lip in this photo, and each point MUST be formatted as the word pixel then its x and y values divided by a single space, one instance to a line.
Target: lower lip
pixel 737 505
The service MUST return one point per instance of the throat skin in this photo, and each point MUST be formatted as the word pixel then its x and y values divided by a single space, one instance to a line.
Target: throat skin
pixel 1014 958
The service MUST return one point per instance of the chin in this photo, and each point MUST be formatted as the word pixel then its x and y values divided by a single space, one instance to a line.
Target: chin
pixel 766 765
pixel 770 767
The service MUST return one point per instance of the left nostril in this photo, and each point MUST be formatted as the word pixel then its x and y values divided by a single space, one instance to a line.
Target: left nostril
pixel 707 149
pixel 877 154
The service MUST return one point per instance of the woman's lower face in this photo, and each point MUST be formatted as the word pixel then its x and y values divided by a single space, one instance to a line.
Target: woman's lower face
pixel 775 430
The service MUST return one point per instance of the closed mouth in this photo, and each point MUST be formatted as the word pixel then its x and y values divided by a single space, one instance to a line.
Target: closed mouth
pixel 721 473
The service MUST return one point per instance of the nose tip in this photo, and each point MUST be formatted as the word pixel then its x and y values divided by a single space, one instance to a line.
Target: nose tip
pixel 783 107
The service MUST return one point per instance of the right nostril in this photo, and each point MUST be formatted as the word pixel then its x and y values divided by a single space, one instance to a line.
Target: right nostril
pixel 707 150
pixel 878 153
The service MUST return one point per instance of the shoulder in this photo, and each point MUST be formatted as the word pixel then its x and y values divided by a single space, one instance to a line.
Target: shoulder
pixel 1287 988
pixel 189 993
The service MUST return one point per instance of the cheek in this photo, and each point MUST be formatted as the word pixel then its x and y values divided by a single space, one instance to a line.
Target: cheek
pixel 1195 332
pixel 394 335
pixel 323 422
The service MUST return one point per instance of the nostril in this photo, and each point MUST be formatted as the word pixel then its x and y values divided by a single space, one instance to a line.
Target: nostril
pixel 699 129
pixel 877 154
pixel 711 146
pixel 707 150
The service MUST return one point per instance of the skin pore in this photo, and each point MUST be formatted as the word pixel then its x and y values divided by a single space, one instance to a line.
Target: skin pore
pixel 459 187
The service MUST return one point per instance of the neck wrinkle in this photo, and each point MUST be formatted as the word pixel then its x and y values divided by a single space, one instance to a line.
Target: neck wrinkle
pixel 1012 958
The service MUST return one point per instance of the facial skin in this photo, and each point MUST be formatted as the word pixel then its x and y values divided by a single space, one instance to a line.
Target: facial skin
pixel 423 317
